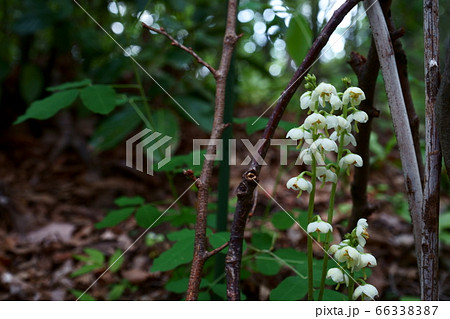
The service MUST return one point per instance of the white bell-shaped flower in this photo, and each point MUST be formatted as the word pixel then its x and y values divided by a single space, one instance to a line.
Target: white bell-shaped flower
pixel 348 138
pixel 365 290
pixel 306 101
pixel 349 255
pixel 315 119
pixel 351 159
pixel 359 116
pixel 299 184
pixel 335 102
pixel 331 121
pixel 367 260
pixel 324 145
pixel 323 92
pixel 306 156
pixel 354 95
pixel 296 133
pixel 325 175
pixel 361 231
pixel 319 226
pixel 337 275
pixel 343 124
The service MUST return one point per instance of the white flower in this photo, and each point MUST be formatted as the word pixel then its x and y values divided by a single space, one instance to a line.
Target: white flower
pixel 342 123
pixel 319 226
pixel 361 231
pixel 337 275
pixel 323 92
pixel 335 102
pixel 331 121
pixel 325 145
pixel 365 290
pixel 325 175
pixel 367 260
pixel 315 119
pixel 354 95
pixel 306 101
pixel 306 157
pixel 351 159
pixel 295 133
pixel 359 116
pixel 348 254
pixel 299 184
pixel 348 138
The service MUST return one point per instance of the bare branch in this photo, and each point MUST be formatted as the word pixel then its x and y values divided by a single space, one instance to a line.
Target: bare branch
pixel 217 250
pixel 429 272
pixel 163 32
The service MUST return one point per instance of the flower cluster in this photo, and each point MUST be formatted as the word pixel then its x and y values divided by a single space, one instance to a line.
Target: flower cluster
pixel 350 253
pixel 323 131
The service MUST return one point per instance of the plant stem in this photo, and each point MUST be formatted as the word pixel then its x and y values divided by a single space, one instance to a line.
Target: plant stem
pixel 351 286
pixel 310 216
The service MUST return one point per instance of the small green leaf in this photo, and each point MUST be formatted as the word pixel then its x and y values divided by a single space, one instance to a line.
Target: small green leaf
pixel 282 221
pixel 116 292
pixel 99 98
pixel 129 201
pixel 204 296
pixel 96 256
pixel 85 269
pixel 46 108
pixel 178 286
pixel 180 235
pixel 267 264
pixel 85 297
pixel 261 240
pixel 330 295
pixel 180 253
pixel 298 38
pixel 146 215
pixel 290 289
pixel 220 290
pixel 70 85
pixel 114 217
pixel 115 261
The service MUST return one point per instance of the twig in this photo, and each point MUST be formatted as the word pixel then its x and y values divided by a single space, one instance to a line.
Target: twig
pixel 200 253
pixel 163 32
pixel 217 250
pixel 246 188
pixel 429 272
pixel 399 115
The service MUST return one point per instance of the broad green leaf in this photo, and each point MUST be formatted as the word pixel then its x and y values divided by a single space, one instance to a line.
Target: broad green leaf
pixel 115 261
pixel 261 240
pixel 85 296
pixel 290 289
pixel 99 98
pixel 180 162
pixel 220 290
pixel 46 108
pixel 96 256
pixel 114 129
pixel 282 221
pixel 187 216
pixel 178 286
pixel 85 269
pixel 291 256
pixel 180 253
pixel 114 217
pixel 147 215
pixel 204 296
pixel 267 264
pixel 70 85
pixel 201 110
pixel 129 201
pixel 180 235
pixel 330 295
pixel 116 292
pixel 298 38
pixel 165 123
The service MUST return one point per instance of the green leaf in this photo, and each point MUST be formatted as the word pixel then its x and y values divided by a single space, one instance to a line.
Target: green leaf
pixel 129 201
pixel 290 289
pixel 202 111
pixel 146 215
pixel 166 123
pixel 114 129
pixel 298 38
pixel 114 217
pixel 204 296
pixel 180 235
pixel 99 98
pixel 116 292
pixel 95 255
pixel 46 108
pixel 180 253
pixel 86 296
pixel 180 162
pixel 292 257
pixel 267 264
pixel 85 269
pixel 218 239
pixel 115 261
pixel 70 85
pixel 178 286
pixel 187 216
pixel 282 221
pixel 261 240
pixel 220 290
pixel 330 295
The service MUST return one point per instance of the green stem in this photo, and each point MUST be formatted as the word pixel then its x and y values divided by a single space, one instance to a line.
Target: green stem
pixel 309 240
pixel 351 286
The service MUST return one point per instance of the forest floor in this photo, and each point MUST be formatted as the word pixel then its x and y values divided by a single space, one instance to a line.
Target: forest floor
pixel 51 198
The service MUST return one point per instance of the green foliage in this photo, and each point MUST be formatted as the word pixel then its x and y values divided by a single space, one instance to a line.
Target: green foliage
pixel 115 217
pixel 282 221
pixel 99 98
pixel 251 126
pixel 290 289
pixel 180 253
pixel 298 38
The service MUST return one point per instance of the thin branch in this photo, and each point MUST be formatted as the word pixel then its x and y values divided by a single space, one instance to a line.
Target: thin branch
pixel 246 188
pixel 200 252
pixel 429 272
pixel 399 115
pixel 217 250
pixel 163 32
